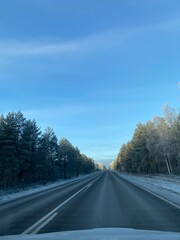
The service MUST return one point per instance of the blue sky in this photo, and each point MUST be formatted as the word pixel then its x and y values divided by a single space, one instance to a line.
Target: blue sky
pixel 90 69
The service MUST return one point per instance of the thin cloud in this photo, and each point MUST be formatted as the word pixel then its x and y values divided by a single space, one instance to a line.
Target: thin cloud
pixel 94 42
pixel 178 84
pixel 35 48
pixel 63 111
pixel 89 44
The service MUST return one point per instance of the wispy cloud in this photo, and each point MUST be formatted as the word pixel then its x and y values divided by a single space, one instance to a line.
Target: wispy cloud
pixel 178 84
pixel 18 48
pixel 89 44
pixel 62 111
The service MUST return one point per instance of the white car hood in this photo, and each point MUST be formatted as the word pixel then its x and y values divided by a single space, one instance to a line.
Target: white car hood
pixel 98 234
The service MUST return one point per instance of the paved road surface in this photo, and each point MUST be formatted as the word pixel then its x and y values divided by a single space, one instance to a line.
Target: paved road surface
pixel 103 200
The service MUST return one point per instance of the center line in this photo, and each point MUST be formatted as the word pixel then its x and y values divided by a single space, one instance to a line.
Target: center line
pixel 36 227
pixel 44 224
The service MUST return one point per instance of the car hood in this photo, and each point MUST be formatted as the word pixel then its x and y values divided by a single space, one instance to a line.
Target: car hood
pixel 98 234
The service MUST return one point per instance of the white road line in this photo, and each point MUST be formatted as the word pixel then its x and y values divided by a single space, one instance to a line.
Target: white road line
pixel 48 217
pixel 156 195
pixel 44 224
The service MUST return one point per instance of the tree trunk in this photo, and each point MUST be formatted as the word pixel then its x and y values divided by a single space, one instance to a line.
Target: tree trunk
pixel 169 161
pixel 169 172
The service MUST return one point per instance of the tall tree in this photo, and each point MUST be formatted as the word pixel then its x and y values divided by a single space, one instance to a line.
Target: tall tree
pixel 29 144
pixel 48 151
pixel 27 155
pixel 154 147
pixel 68 156
pixel 10 134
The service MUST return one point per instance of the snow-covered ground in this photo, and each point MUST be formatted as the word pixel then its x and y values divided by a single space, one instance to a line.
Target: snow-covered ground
pixel 7 195
pixel 167 187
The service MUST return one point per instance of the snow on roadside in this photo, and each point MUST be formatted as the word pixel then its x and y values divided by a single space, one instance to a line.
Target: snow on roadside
pixel 7 195
pixel 167 187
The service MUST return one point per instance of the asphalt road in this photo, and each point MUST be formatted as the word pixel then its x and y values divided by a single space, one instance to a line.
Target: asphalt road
pixel 103 200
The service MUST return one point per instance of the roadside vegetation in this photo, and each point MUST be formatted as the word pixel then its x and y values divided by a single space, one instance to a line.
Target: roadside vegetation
pixel 28 155
pixel 154 147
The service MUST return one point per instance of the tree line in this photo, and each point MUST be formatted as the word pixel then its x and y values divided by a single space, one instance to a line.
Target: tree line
pixel 154 147
pixel 28 155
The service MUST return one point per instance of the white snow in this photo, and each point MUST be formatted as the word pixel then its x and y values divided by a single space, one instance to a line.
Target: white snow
pixel 167 187
pixel 15 193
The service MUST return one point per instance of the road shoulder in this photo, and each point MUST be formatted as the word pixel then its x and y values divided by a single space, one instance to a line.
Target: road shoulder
pixel 165 187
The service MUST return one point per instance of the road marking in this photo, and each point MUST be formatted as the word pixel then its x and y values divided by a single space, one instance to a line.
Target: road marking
pixel 89 185
pixel 44 224
pixel 36 227
pixel 156 195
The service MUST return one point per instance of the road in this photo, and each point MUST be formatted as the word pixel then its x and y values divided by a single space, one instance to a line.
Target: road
pixel 101 200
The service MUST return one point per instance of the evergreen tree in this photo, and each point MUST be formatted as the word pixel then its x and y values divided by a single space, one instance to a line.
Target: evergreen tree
pixel 10 134
pixel 48 152
pixel 29 144
pixel 27 155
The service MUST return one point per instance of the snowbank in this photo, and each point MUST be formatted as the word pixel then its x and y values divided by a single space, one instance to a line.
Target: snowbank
pixel 167 187
pixel 10 194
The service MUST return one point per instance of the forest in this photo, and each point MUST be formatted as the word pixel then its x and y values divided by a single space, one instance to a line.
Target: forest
pixel 28 155
pixel 154 147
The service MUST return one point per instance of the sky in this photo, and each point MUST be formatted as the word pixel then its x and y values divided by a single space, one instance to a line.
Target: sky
pixel 90 69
